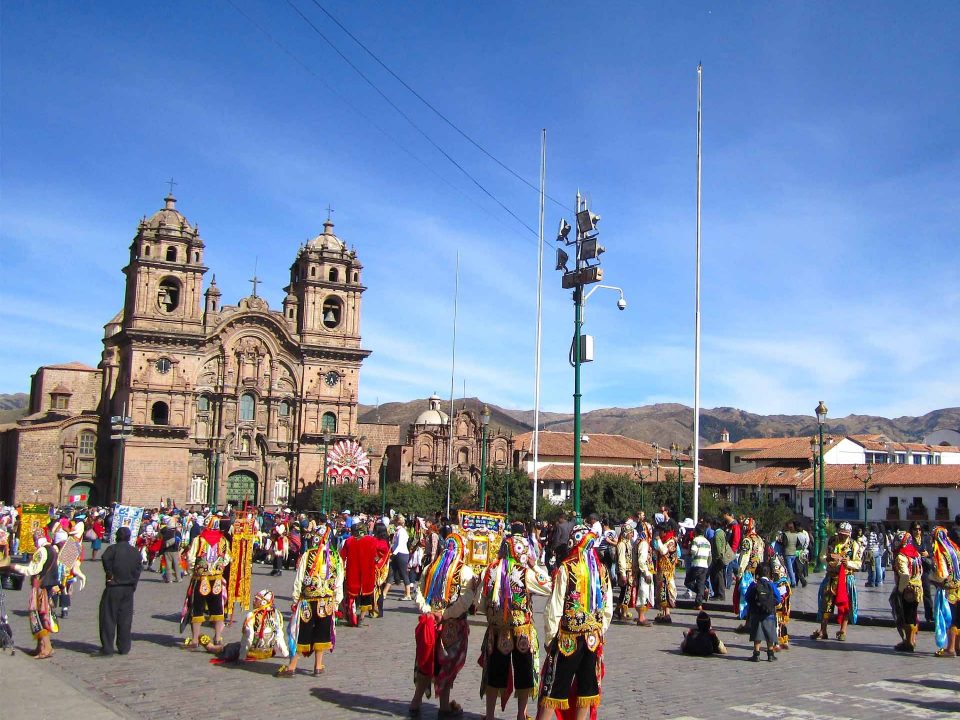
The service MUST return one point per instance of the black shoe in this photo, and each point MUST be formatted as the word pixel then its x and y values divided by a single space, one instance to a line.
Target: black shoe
pixel 101 654
pixel 755 657
pixel 771 656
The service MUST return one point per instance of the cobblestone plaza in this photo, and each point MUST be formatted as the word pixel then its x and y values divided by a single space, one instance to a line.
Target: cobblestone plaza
pixel 370 673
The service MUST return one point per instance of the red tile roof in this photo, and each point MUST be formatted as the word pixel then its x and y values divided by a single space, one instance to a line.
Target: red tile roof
pixel 843 477
pixel 708 476
pixel 75 365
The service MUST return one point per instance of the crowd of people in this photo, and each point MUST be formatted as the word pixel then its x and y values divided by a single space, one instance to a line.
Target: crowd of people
pixel 344 568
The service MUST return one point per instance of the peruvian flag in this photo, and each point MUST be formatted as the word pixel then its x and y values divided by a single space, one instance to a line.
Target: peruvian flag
pixel 77 498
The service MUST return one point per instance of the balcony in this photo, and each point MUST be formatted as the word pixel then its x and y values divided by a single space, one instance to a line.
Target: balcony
pixel 918 512
pixel 893 514
pixel 942 514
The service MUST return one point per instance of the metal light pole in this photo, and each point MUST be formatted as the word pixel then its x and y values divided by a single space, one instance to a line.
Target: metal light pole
pixel 586 270
pixel 678 459
pixel 866 481
pixel 638 471
pixel 821 413
pixel 814 464
pixel 323 497
pixel 121 427
pixel 656 461
pixel 508 497
pixel 484 423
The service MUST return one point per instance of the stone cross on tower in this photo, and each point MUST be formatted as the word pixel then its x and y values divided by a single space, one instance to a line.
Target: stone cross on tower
pixel 330 212
pixel 171 183
pixel 254 280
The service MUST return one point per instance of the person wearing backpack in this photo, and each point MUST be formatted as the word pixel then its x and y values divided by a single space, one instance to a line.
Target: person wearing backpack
pixel 762 598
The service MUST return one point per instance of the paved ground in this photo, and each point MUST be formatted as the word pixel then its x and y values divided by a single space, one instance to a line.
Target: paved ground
pixel 370 674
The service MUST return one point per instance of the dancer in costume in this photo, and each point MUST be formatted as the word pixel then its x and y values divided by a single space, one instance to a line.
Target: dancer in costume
pixel 365 557
pixel 781 578
pixel 945 575
pixel 748 557
pixel 626 571
pixel 511 649
pixel 45 579
pixel 665 555
pixel 71 575
pixel 838 589
pixel 262 634
pixel 575 621
pixel 317 591
pixel 908 591
pixel 280 545
pixel 444 595
pixel 208 556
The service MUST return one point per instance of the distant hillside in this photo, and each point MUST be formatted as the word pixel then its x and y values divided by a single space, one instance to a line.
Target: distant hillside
pixel 13 407
pixel 405 414
pixel 666 423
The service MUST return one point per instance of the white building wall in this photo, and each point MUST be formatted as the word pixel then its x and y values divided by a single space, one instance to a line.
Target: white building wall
pixel 845 452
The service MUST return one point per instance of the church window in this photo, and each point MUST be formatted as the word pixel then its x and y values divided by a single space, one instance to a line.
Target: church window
pixel 203 404
pixel 328 424
pixel 291 313
pixel 500 456
pixel 168 295
pixel 332 311
pixel 160 413
pixel 356 277
pixel 247 406
pixel 463 456
pixel 146 250
pixel 281 489
pixel 196 257
pixel 198 490
pixel 334 275
pixel 284 409
pixel 59 402
pixel 313 272
pixel 171 254
pixel 245 445
pixel 87 442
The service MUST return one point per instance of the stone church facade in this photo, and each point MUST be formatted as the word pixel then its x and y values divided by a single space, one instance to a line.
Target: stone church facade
pixel 227 403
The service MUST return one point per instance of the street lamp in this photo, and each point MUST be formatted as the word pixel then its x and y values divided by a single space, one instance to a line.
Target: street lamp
pixel 866 481
pixel 638 471
pixel 121 427
pixel 821 413
pixel 814 464
pixel 484 423
pixel 586 271
pixel 678 459
pixel 656 461
pixel 323 497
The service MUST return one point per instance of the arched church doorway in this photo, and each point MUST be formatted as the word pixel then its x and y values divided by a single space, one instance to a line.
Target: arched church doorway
pixel 241 488
pixel 80 494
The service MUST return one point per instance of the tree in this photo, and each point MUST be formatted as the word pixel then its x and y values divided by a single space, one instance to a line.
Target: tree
pixel 612 496
pixel 521 493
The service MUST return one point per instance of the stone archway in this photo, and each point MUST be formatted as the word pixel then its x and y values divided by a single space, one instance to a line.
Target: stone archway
pixel 242 486
pixel 80 493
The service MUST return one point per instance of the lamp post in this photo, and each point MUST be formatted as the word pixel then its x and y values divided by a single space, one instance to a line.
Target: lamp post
pixel 678 459
pixel 323 497
pixel 383 485
pixel 586 270
pixel 507 486
pixel 866 481
pixel 821 413
pixel 638 471
pixel 814 464
pixel 484 423
pixel 121 427
pixel 656 461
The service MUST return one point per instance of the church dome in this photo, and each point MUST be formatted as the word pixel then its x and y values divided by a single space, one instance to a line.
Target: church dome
pixel 168 216
pixel 434 415
pixel 327 240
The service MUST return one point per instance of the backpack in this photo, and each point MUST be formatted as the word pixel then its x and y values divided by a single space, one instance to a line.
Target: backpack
pixel 764 598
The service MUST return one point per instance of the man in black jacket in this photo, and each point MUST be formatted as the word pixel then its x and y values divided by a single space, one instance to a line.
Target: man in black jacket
pixel 121 564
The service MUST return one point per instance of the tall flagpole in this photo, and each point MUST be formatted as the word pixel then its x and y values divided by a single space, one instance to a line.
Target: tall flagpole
pixel 453 369
pixel 536 382
pixel 696 351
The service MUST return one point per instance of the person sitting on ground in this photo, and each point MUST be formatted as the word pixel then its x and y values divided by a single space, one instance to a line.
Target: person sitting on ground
pixel 262 635
pixel 703 639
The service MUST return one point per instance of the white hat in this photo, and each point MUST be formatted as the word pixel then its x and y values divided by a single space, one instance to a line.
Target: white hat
pixel 688 524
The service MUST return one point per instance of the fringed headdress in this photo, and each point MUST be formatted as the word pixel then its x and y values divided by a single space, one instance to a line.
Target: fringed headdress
pixel 946 555
pixel 440 578
pixel 583 553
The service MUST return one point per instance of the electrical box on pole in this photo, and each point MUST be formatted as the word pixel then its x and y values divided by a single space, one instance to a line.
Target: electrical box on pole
pixel 586 348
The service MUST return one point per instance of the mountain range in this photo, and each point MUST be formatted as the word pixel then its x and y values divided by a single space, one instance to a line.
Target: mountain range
pixel 666 423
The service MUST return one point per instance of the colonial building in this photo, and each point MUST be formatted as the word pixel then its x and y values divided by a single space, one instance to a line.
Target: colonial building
pixel 226 402
pixel 427 448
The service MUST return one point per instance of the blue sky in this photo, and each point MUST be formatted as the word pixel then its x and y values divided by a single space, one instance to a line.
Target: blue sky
pixel 830 176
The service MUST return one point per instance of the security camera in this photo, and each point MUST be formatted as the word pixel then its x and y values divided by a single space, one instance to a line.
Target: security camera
pixel 622 304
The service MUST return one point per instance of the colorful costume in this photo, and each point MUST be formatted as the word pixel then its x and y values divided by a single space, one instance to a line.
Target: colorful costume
pixel 262 635
pixel 665 562
pixel 575 621
pixel 44 573
pixel 366 559
pixel 838 589
pixel 208 556
pixel 511 649
pixel 447 587
pixel 908 592
pixel 780 576
pixel 946 607
pixel 748 557
pixel 317 591
pixel 635 566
